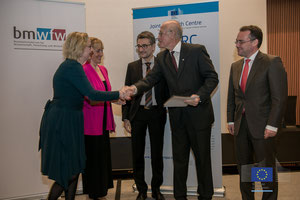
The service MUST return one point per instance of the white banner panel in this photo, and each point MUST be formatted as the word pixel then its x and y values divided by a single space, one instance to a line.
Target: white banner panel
pixel 200 23
pixel 32 34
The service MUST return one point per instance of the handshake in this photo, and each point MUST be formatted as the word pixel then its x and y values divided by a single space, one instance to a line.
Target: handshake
pixel 126 92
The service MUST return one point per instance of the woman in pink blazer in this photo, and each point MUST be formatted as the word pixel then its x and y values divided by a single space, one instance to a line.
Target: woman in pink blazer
pixel 98 122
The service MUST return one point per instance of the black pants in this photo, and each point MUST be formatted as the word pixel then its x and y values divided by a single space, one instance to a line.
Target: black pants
pixel 154 119
pixel 186 136
pixel 264 152
pixel 97 178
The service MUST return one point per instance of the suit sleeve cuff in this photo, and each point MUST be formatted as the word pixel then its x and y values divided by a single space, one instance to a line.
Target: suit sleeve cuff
pixel 135 89
pixel 271 128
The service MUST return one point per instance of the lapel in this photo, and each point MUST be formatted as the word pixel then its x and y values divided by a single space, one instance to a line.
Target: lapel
pixel 105 75
pixel 183 54
pixel 168 62
pixel 254 69
pixel 237 74
pixel 94 77
pixel 139 69
pixel 138 75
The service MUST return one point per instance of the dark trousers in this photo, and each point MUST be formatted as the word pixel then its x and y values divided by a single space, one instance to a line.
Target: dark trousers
pixel 154 119
pixel 97 178
pixel 185 136
pixel 264 152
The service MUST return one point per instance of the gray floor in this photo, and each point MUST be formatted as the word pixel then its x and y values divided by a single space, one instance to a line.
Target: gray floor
pixel 289 189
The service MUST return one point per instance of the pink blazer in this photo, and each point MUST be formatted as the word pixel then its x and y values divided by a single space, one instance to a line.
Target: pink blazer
pixel 93 115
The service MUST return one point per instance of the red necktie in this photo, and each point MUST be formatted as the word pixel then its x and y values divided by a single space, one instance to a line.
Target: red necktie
pixel 173 60
pixel 245 75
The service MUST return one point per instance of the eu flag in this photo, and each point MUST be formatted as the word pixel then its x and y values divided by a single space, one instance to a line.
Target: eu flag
pixel 261 174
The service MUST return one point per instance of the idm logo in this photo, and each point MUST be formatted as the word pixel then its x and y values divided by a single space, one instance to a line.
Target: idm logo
pixel 40 34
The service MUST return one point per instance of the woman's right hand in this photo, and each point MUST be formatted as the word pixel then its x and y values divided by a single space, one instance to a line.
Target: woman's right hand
pixel 125 93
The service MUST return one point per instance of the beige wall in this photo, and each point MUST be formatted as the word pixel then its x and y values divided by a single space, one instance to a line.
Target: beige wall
pixel 233 15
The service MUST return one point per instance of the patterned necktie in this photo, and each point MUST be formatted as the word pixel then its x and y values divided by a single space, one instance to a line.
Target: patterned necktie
pixel 174 60
pixel 148 98
pixel 245 75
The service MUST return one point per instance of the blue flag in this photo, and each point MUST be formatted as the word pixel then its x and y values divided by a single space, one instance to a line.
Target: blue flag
pixel 261 174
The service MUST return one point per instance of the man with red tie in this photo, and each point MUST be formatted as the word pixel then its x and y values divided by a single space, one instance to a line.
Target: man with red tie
pixel 146 111
pixel 257 95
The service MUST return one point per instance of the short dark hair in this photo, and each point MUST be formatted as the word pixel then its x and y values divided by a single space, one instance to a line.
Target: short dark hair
pixel 147 35
pixel 255 33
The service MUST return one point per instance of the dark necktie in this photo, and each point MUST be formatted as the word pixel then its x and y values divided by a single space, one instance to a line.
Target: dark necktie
pixel 148 97
pixel 245 75
pixel 174 60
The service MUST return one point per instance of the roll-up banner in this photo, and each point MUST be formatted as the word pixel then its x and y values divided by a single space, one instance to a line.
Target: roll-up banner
pixel 200 23
pixel 32 35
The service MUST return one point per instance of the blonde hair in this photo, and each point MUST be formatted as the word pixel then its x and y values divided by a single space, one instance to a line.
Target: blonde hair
pixel 74 45
pixel 95 42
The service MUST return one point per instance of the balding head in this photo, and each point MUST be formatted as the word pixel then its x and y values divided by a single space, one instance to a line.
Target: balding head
pixel 170 34
pixel 174 26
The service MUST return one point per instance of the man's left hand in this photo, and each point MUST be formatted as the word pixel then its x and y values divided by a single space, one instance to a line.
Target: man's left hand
pixel 269 133
pixel 194 102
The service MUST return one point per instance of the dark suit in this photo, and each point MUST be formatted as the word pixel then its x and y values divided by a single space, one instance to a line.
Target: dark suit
pixel 264 102
pixel 191 126
pixel 141 118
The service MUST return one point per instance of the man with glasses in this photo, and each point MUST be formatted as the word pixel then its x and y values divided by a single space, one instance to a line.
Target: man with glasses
pixel 146 111
pixel 257 95
pixel 188 71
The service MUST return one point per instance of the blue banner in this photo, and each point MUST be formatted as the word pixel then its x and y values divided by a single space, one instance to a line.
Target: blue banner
pixel 184 9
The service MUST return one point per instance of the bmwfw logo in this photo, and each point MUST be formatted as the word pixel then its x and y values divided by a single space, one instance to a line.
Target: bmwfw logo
pixel 50 39
pixel 41 34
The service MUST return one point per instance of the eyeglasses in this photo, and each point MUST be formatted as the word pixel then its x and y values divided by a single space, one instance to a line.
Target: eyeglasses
pixel 143 46
pixel 242 41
